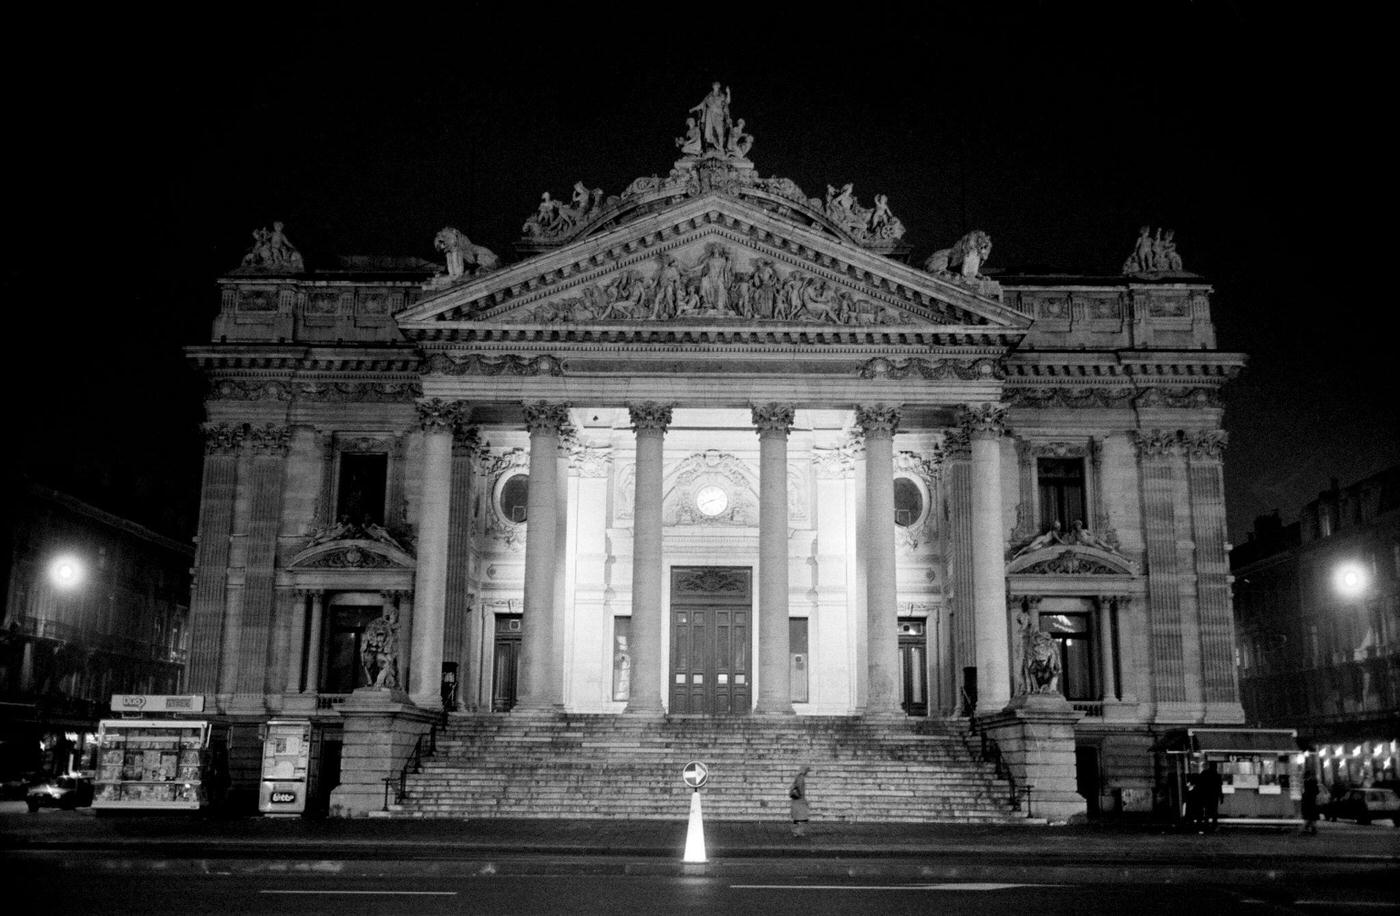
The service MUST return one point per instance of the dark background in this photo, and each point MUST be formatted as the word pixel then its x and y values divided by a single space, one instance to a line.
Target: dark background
pixel 148 145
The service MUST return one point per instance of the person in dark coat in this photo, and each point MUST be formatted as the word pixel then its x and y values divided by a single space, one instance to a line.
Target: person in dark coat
pixel 1310 792
pixel 801 811
pixel 1211 787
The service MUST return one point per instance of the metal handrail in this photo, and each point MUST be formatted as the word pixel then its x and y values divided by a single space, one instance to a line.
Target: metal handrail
pixel 413 762
pixel 990 752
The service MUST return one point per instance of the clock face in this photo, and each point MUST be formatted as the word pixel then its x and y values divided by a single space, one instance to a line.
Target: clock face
pixel 711 500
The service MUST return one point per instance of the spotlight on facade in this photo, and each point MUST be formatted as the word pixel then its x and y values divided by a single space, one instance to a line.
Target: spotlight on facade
pixel 1350 579
pixel 66 572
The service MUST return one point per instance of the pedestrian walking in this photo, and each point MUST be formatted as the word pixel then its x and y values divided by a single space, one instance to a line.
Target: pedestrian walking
pixel 801 811
pixel 1310 793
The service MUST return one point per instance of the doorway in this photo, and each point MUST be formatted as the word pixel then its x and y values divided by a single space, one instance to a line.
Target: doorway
pixel 507 665
pixel 913 666
pixel 711 608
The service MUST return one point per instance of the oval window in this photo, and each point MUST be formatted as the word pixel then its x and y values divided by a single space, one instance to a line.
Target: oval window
pixel 908 502
pixel 515 495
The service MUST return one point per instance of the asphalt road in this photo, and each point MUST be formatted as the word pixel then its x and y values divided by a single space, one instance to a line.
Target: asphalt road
pixel 64 886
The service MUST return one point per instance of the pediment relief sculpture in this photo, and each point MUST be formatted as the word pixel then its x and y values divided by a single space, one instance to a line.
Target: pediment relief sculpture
pixel 352 554
pixel 347 530
pixel 1075 552
pixel 715 282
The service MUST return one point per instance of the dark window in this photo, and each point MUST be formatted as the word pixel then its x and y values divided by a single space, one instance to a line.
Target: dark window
pixel 622 658
pixel 514 496
pixel 360 496
pixel 345 670
pixel 800 659
pixel 1061 492
pixel 1074 637
pixel 908 502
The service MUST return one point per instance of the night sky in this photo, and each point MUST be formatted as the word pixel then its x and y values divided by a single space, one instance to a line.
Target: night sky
pixel 148 147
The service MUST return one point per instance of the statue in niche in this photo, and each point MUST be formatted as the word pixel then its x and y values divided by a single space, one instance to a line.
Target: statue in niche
pixel 965 259
pixel 690 143
pixel 461 253
pixel 714 118
pixel 379 652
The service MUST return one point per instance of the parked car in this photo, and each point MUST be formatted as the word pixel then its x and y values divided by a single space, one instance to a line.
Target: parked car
pixel 1364 806
pixel 66 792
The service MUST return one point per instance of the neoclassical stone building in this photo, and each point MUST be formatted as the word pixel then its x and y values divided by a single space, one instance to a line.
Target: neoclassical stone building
pixel 712 447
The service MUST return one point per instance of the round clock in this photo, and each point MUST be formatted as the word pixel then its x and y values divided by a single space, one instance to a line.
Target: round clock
pixel 711 500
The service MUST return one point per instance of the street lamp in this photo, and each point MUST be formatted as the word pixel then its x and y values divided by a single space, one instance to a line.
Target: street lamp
pixel 1350 579
pixel 66 572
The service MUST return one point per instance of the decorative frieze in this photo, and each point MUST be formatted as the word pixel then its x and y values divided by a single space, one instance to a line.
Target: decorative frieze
pixel 1042 397
pixel 877 420
pixel 1178 397
pixel 510 364
pixel 836 462
pixel 1071 563
pixel 590 460
pixel 934 370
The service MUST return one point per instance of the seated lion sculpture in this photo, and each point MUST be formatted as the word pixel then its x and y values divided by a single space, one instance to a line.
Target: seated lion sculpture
pixel 461 253
pixel 965 259
pixel 1040 671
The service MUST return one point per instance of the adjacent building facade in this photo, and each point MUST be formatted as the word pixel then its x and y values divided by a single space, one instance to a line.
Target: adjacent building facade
pixel 95 605
pixel 1317 606
pixel 713 447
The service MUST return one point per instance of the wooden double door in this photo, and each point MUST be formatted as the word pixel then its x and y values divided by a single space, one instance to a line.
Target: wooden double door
pixel 711 614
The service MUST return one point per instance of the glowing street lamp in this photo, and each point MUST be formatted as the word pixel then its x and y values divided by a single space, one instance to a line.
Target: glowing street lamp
pixel 66 572
pixel 1350 579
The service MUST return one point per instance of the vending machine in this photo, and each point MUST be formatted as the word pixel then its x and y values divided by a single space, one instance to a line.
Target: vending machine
pixel 290 767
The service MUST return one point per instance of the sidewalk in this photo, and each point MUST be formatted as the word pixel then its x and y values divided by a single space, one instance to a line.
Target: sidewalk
pixel 921 849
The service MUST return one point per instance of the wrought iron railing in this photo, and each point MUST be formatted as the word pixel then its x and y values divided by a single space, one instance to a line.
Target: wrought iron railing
pixel 990 752
pixel 414 762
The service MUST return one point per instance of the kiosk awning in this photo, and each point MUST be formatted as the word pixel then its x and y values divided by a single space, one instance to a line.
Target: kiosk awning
pixel 1245 740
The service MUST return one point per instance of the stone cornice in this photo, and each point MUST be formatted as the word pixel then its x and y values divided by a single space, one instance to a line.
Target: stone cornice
pixel 264 358
pixel 687 334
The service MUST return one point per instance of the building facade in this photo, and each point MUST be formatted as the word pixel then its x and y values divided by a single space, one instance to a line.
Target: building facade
pixel 95 605
pixel 713 447
pixel 1317 606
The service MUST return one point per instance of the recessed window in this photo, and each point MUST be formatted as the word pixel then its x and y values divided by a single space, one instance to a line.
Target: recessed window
pixel 515 495
pixel 908 502
pixel 360 493
pixel 1061 492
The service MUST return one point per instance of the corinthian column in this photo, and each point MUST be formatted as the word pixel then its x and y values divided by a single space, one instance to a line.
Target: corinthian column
pixel 773 422
pixel 985 424
pixel 538 681
pixel 438 419
pixel 878 424
pixel 650 421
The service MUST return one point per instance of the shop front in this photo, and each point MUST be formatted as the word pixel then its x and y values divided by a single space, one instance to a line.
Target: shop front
pixel 1261 772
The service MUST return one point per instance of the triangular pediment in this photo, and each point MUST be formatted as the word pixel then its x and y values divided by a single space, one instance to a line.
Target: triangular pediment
pixel 712 260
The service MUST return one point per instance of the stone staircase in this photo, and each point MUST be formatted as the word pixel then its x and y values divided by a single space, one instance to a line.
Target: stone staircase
pixel 602 766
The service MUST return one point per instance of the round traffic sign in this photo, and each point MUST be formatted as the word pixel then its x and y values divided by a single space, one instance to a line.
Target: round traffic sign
pixel 695 774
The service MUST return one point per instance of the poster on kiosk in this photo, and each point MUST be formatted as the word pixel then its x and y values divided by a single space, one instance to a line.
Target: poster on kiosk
pixel 288 767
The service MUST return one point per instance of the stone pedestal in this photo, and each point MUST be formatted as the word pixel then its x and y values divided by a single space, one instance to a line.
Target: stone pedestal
pixel 381 728
pixel 1036 736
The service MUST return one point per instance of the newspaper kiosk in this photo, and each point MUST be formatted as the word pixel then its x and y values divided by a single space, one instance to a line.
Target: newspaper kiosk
pixel 1261 772
pixel 152 760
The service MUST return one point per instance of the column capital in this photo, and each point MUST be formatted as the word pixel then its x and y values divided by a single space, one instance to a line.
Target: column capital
pixel 545 417
pixel 223 438
pixel 877 421
pixel 269 439
pixel 1206 444
pixel 435 414
pixel 1157 443
pixel 650 416
pixel 301 592
pixel 1120 600
pixel 957 444
pixel 772 419
pixel 983 420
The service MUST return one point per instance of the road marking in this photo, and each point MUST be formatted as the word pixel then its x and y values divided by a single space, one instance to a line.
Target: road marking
pixel 371 893
pixel 970 886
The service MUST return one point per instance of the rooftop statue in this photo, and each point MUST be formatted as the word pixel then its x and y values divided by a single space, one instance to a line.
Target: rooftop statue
pixel 553 220
pixel 1153 254
pixel 965 259
pixel 715 123
pixel 273 251
pixel 867 225
pixel 462 254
